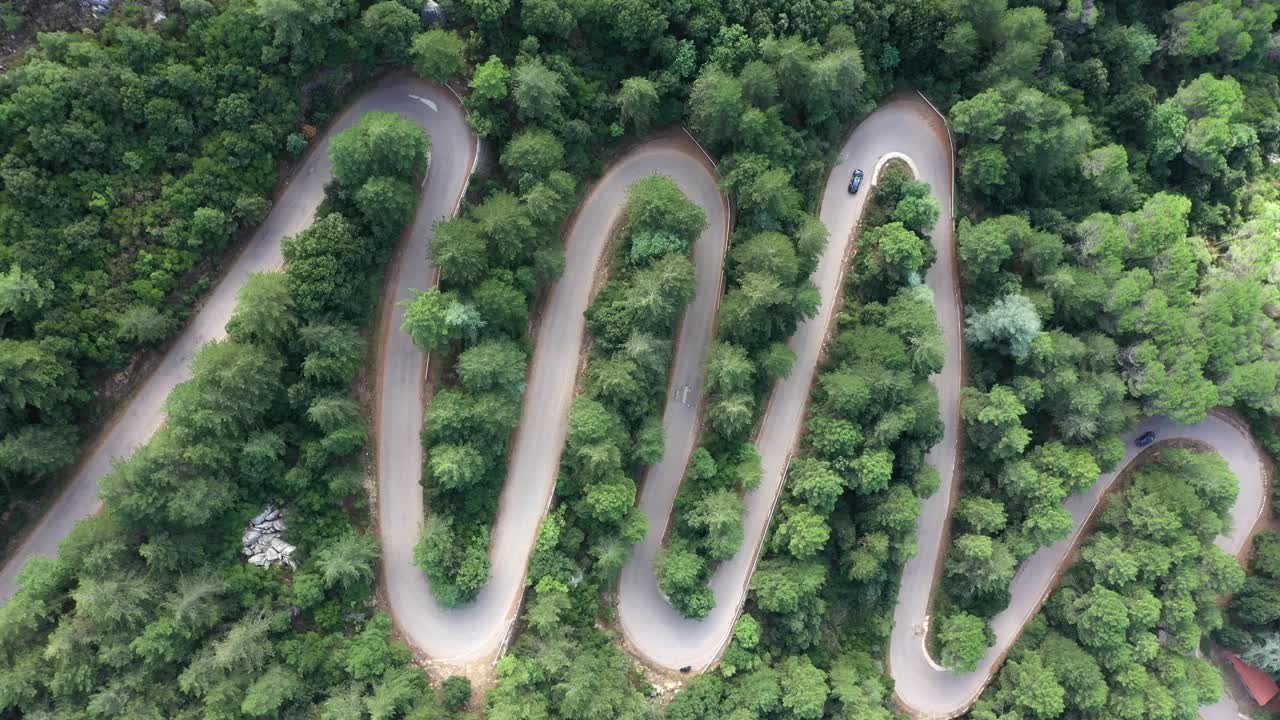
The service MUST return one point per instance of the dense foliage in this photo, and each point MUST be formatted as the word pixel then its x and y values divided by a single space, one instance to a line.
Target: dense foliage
pixel 149 611
pixel 493 261
pixel 1115 639
pixel 1065 116
pixel 1088 308
pixel 130 162
pixel 1117 259
pixel 1253 628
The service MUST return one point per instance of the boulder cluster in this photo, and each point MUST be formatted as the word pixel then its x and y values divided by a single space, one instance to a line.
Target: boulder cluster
pixel 264 540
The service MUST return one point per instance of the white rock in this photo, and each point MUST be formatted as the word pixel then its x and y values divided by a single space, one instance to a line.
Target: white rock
pixel 264 542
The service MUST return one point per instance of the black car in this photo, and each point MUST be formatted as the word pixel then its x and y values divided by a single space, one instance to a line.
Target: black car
pixel 855 182
pixel 1146 439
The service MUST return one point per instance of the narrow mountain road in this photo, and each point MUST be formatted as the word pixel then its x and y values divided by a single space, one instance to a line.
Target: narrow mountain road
pixel 658 633
pixel 652 627
pixel 638 591
pixel 460 639
pixel 432 107
pixel 931 692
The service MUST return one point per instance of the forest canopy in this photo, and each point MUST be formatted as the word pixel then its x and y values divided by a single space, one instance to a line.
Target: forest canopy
pixel 1118 230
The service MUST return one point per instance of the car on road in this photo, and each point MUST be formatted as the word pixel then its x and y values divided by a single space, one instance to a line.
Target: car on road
pixel 1146 438
pixel 855 182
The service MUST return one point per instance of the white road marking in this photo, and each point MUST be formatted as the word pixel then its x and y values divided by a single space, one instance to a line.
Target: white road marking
pixel 426 102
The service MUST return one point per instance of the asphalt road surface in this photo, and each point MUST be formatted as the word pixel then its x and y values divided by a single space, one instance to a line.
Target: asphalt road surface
pixel 430 106
pixel 475 633
pixel 658 633
pixel 639 598
pixel 933 692
pixel 653 628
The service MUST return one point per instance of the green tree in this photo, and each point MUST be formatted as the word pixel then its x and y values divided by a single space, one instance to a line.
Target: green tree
pixel 715 106
pixel 964 640
pixel 680 573
pixel 379 144
pixel 1102 618
pixel 494 365
pixel 270 691
pixel 433 319
pixel 539 91
pixel 802 532
pixel 456 690
pixel 547 18
pixel 638 103
pixel 319 260
pixel 656 205
pixel 491 81
pixel 388 27
pixel 918 212
pixel 1033 689
pixel 1225 31
pixel 981 515
pixel 1107 169
pixel 348 560
pixel 437 54
pixel 979 566
pixel 21 294
pixel 804 688
pixel 532 155
pixel 264 311
pixel 890 254
pixel 815 482
pixel 487 12
pixel 718 514
pixel 143 324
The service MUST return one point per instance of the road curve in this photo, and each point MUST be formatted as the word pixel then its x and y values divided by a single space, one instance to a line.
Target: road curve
pixel 654 629
pixel 921 686
pixel 929 691
pixel 638 594
pixel 430 106
pixel 475 633
pixel 657 632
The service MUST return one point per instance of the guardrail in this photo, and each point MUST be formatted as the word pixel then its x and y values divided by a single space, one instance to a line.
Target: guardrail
pixel 951 140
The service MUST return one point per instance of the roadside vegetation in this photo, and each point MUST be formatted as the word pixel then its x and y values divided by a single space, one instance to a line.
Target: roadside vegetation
pixel 1129 295
pixel 761 126
pixel 132 160
pixel 1117 252
pixel 1252 629
pixel 1116 639
pixel 149 611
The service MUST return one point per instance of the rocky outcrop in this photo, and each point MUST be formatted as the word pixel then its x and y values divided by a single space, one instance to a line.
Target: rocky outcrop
pixel 264 543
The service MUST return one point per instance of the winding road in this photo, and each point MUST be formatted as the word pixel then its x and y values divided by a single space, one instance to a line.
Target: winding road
pixel 639 601
pixel 652 627
pixel 475 633
pixel 929 691
pixel 432 107
pixel 654 630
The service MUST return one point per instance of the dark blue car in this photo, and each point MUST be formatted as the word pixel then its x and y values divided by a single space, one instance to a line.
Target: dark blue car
pixel 855 182
pixel 1146 438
